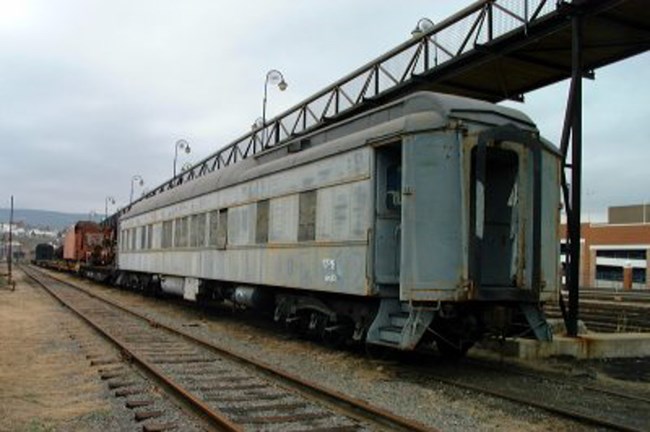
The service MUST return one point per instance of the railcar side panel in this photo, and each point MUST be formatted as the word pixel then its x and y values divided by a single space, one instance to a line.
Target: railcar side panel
pixel 316 224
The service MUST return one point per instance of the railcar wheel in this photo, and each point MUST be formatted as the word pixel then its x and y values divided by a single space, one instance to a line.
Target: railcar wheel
pixel 377 352
pixel 335 335
pixel 453 350
pixel 455 335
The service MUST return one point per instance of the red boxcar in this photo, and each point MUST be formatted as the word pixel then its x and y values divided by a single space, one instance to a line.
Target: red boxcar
pixel 83 242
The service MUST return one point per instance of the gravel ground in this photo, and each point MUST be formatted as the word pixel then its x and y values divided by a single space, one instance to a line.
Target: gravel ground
pixel 47 382
pixel 349 371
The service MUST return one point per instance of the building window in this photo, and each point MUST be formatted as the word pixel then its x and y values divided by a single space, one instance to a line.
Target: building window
pixel 609 273
pixel 262 224
pixel 626 254
pixel 307 216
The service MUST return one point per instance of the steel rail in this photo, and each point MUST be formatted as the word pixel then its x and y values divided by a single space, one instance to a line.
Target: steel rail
pixel 554 380
pixel 351 406
pixel 217 418
pixel 563 412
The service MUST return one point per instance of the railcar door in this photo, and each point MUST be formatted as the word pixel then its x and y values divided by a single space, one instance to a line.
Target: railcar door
pixel 505 215
pixel 433 224
pixel 388 198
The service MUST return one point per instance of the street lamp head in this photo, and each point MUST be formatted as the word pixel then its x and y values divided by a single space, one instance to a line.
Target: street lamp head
pixel 138 178
pixel 183 145
pixel 274 76
pixel 423 26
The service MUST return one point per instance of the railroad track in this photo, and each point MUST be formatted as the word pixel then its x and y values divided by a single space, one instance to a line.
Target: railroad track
pixel 608 294
pixel 609 317
pixel 227 390
pixel 572 399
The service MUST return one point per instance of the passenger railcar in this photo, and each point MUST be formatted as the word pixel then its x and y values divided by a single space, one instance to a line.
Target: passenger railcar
pixel 434 217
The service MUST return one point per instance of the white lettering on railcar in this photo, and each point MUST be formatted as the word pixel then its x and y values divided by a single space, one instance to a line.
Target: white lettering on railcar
pixel 329 267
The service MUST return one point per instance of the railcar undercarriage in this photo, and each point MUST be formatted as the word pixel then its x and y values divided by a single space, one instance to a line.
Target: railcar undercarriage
pixel 338 320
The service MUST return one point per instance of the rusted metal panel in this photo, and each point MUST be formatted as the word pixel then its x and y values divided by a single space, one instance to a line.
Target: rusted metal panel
pixel 70 244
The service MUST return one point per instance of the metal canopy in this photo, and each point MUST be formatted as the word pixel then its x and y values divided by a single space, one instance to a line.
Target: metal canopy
pixel 539 54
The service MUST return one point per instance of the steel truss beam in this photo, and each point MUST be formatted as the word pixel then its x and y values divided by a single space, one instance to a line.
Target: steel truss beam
pixel 572 130
pixel 452 39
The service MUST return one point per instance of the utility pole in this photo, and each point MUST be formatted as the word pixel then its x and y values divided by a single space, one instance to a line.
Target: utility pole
pixel 10 256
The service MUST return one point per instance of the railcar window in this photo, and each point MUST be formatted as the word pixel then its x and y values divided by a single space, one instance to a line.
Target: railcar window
pixel 197 230
pixel 177 232
pixel 150 236
pixel 133 238
pixel 213 228
pixel 143 237
pixel 167 235
pixel 394 187
pixel 222 229
pixel 180 234
pixel 190 229
pixel 307 216
pixel 262 223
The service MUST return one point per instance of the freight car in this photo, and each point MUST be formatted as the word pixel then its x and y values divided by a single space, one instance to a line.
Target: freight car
pixel 86 248
pixel 431 218
pixel 43 252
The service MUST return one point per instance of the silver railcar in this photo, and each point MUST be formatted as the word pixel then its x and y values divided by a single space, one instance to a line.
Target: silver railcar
pixel 434 217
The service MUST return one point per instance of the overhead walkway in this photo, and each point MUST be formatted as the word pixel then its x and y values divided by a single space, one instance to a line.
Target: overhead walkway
pixel 492 50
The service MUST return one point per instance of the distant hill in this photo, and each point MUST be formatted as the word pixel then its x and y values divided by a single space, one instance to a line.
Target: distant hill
pixel 43 218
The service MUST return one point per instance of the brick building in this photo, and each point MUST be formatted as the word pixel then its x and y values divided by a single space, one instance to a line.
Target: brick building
pixel 616 253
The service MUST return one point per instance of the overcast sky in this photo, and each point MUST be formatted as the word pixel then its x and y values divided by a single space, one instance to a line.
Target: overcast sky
pixel 93 92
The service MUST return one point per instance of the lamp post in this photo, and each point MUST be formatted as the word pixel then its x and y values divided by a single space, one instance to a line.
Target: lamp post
pixel 273 76
pixel 136 178
pixel 183 145
pixel 111 200
pixel 424 25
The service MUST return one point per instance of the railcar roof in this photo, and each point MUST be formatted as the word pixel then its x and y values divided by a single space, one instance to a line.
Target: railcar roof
pixel 416 112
